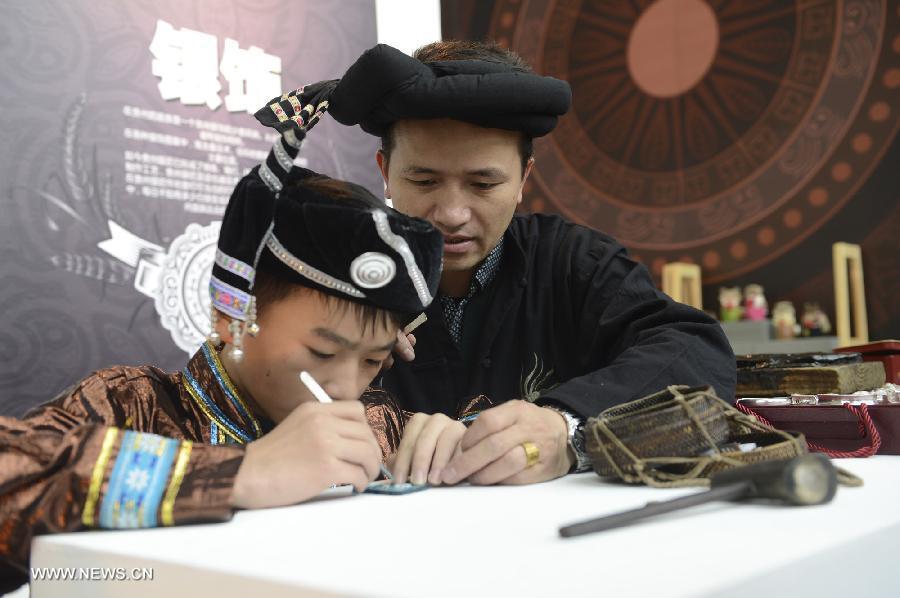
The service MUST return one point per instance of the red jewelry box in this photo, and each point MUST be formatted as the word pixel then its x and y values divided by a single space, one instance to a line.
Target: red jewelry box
pixel 887 352
pixel 838 430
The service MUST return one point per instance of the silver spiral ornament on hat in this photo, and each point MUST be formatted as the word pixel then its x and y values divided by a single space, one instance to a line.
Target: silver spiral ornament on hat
pixel 372 270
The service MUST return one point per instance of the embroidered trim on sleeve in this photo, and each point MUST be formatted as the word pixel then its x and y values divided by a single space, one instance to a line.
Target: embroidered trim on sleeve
pixel 137 481
pixel 90 503
pixel 168 503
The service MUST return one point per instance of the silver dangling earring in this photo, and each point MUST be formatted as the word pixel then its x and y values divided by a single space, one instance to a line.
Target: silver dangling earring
pixel 236 327
pixel 252 326
pixel 214 337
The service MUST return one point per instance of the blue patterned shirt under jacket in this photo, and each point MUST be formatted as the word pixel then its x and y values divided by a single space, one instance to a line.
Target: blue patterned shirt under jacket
pixel 455 307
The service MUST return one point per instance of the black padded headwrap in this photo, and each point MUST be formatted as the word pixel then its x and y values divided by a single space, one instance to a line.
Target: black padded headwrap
pixel 385 85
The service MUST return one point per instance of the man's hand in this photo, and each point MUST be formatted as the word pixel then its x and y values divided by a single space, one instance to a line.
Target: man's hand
pixel 317 445
pixel 492 450
pixel 403 349
pixel 428 444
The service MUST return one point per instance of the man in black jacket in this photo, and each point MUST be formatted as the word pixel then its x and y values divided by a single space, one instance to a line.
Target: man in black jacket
pixel 551 321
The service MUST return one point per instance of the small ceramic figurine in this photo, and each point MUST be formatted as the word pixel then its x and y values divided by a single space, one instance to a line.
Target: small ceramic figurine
pixel 730 304
pixel 814 320
pixel 784 318
pixel 756 307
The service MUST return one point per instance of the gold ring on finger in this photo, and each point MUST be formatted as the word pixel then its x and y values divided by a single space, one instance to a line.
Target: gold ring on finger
pixel 532 454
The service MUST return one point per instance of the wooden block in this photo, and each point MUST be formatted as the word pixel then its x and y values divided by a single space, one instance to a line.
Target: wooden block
pixel 681 282
pixel 838 379
pixel 849 294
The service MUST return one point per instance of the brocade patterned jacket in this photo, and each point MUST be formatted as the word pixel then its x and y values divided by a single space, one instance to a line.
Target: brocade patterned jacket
pixel 133 447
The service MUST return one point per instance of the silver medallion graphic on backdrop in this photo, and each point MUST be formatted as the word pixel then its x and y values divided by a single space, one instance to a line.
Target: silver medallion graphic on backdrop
pixel 176 279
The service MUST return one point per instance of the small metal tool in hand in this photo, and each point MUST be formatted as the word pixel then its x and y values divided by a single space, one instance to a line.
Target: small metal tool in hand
pixel 804 480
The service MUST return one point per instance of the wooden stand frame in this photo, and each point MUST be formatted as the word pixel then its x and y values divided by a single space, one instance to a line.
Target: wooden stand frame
pixel 681 282
pixel 849 294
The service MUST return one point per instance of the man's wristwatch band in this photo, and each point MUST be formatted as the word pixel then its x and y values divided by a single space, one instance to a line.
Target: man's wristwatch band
pixel 575 439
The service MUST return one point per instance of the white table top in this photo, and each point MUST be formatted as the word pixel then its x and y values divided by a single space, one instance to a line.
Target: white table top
pixel 504 541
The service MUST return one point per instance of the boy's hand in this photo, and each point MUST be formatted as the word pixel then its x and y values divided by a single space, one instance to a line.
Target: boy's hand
pixel 317 445
pixel 428 444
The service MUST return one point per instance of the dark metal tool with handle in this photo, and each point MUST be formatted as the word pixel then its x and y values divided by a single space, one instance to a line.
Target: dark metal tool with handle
pixel 804 480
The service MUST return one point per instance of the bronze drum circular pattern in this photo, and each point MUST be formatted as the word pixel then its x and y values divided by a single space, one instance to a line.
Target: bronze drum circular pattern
pixel 721 132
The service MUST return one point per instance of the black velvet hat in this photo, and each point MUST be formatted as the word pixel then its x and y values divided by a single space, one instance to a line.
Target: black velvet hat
pixel 311 230
pixel 385 85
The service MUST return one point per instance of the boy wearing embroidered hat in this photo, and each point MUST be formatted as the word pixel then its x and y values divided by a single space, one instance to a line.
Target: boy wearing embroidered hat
pixel 310 274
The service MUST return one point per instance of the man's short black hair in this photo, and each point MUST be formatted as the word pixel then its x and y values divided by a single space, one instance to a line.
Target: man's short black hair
pixel 456 49
pixel 469 50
